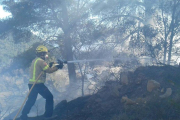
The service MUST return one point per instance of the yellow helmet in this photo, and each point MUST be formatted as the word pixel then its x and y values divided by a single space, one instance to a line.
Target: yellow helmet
pixel 41 48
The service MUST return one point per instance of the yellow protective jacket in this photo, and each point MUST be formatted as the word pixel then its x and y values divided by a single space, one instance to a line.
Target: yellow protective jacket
pixel 37 66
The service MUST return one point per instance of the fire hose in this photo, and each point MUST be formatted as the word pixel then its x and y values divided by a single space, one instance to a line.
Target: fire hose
pixel 28 95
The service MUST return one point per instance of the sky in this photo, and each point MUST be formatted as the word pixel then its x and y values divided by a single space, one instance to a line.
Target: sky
pixel 3 14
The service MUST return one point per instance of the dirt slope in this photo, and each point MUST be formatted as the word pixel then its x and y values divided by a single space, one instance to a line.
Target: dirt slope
pixel 116 101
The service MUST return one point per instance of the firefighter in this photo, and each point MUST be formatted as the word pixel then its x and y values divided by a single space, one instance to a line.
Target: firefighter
pixel 38 66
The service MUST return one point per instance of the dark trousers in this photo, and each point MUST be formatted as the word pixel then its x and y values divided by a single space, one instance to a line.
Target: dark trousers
pixel 45 93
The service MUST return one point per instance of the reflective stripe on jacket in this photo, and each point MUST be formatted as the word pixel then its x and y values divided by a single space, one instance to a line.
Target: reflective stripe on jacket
pixel 37 66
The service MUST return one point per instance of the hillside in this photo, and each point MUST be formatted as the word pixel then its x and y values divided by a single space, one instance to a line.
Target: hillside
pixel 148 93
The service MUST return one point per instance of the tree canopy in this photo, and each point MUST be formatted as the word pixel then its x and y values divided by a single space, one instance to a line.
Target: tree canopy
pixel 143 28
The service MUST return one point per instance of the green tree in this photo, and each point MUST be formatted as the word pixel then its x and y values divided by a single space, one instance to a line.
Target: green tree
pixel 53 21
pixel 170 19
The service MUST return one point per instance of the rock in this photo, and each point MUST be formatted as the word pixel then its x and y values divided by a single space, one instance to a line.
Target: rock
pixel 140 101
pixel 152 85
pixel 115 90
pixel 127 101
pixel 167 93
pixel 162 90
pixel 124 78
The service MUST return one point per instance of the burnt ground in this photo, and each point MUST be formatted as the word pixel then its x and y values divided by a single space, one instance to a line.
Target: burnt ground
pixel 107 103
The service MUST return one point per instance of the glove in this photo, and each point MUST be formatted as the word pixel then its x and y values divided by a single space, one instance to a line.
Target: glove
pixel 60 66
pixel 51 64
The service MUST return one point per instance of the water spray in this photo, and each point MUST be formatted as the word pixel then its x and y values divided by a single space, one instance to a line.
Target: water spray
pixel 60 60
pixel 94 60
